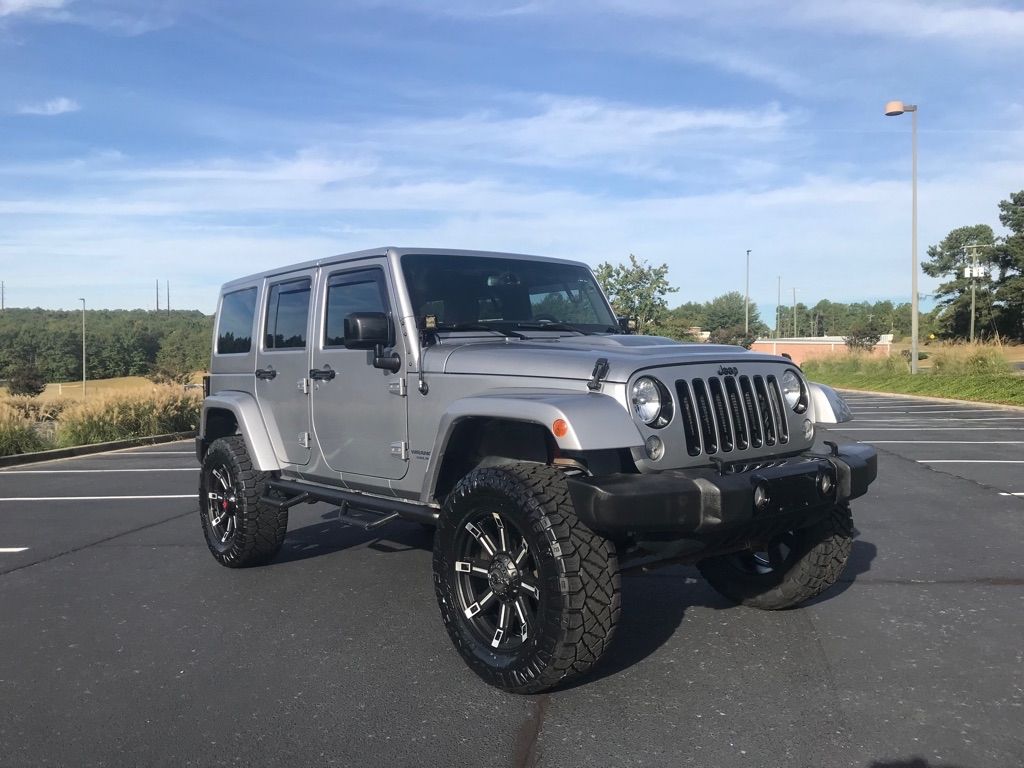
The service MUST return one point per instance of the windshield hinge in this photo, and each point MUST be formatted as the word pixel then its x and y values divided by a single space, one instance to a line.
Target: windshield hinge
pixel 600 371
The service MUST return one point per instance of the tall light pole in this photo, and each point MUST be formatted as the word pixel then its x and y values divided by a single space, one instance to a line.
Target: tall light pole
pixel 892 109
pixel 83 348
pixel 746 300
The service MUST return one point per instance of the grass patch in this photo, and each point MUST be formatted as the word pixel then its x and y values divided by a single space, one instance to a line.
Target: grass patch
pixel 962 372
pixel 31 424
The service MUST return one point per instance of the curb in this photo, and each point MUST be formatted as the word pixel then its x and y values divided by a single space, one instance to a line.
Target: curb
pixel 900 395
pixel 84 450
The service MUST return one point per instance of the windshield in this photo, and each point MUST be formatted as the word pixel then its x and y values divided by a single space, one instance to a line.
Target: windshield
pixel 475 290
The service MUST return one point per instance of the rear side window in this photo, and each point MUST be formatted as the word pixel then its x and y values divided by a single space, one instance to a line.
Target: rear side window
pixel 287 315
pixel 347 292
pixel 234 331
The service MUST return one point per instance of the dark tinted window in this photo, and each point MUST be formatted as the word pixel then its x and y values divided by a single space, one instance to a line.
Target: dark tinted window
pixel 474 289
pixel 287 315
pixel 234 330
pixel 348 292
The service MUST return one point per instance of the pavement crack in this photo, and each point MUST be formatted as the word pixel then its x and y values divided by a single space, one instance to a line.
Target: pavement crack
pixel 525 752
pixel 104 540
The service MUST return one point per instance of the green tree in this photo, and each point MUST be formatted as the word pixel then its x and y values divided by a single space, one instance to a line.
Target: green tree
pixel 637 290
pixel 1008 258
pixel 864 335
pixel 948 260
pixel 727 311
pixel 26 379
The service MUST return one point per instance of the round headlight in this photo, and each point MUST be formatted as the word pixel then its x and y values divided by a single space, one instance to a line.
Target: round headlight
pixel 793 391
pixel 651 402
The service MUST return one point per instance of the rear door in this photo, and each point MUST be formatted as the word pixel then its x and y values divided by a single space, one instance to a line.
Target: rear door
pixel 359 412
pixel 282 364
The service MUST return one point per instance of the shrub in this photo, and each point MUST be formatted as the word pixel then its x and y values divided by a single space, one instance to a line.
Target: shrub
pixel 26 379
pixel 18 434
pixel 167 409
pixel 966 359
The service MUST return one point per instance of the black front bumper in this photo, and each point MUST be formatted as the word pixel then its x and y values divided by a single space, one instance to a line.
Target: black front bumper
pixel 716 503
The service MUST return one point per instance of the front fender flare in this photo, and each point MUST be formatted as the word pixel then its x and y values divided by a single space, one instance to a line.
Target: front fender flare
pixel 827 405
pixel 250 425
pixel 595 421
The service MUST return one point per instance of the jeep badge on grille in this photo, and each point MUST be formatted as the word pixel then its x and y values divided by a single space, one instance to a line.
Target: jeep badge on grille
pixel 724 370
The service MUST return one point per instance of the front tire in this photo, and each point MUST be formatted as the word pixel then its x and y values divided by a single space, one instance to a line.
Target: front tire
pixel 529 595
pixel 240 530
pixel 792 568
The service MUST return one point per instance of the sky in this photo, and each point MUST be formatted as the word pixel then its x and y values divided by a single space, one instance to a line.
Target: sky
pixel 196 142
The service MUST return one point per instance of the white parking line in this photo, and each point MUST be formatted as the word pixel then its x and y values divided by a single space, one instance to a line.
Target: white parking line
pixel 93 498
pixel 932 413
pixel 970 461
pixel 90 471
pixel 929 421
pixel 1002 493
pixel 840 428
pixel 948 442
pixel 12 550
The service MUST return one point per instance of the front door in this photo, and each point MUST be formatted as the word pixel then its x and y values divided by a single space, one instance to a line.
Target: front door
pixel 282 365
pixel 359 412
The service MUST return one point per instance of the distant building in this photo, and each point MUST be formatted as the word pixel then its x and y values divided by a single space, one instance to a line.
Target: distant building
pixel 807 347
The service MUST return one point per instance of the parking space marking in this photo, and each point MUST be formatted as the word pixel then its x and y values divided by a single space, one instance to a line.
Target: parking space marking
pixel 950 418
pixel 90 471
pixel 94 498
pixel 970 461
pixel 1004 493
pixel 947 442
pixel 839 428
pixel 12 550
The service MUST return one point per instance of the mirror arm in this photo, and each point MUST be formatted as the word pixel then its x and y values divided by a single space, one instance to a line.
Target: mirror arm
pixel 390 362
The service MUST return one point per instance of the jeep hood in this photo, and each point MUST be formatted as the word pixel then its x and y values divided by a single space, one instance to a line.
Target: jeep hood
pixel 573 357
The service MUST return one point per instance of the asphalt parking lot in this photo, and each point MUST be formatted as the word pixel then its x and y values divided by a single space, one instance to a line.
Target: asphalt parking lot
pixel 122 642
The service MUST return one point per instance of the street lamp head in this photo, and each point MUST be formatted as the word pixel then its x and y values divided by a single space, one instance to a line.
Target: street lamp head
pixel 894 108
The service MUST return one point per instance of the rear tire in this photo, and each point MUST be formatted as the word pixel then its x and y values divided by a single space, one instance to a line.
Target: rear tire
pixel 794 567
pixel 529 595
pixel 240 530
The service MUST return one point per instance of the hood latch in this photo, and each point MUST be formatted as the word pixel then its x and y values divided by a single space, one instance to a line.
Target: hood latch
pixel 601 368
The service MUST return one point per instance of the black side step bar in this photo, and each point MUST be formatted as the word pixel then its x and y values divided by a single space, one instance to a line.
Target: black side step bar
pixel 379 510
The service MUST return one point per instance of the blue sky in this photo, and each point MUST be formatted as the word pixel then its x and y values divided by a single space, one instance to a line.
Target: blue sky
pixel 199 141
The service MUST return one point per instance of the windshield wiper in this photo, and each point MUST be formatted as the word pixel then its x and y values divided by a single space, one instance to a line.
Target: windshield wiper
pixel 477 327
pixel 547 326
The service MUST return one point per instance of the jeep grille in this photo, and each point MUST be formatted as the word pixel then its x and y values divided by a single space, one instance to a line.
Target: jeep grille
pixel 723 414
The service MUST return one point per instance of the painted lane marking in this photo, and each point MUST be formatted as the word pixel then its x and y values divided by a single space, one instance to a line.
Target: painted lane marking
pixel 949 442
pixel 157 453
pixel 1002 493
pixel 880 411
pixel 12 550
pixel 89 471
pixel 970 461
pixel 94 498
pixel 839 428
pixel 950 418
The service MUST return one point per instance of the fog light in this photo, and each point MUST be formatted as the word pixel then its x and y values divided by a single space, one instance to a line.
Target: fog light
pixel 761 497
pixel 808 429
pixel 655 448
pixel 825 483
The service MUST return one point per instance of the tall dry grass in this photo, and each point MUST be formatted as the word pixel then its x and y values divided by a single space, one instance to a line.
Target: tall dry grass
pixel 28 425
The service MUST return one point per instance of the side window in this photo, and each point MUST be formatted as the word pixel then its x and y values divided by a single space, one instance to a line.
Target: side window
pixel 287 315
pixel 347 292
pixel 234 329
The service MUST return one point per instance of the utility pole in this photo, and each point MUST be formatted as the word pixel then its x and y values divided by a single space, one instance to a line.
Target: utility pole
pixel 83 348
pixel 158 294
pixel 794 313
pixel 746 300
pixel 778 311
pixel 974 272
pixel 1 295
pixel 168 282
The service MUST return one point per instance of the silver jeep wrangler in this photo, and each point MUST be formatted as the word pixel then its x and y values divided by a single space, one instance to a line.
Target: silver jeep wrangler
pixel 497 397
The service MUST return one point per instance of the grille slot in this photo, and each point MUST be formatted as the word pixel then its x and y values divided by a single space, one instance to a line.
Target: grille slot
pixel 723 414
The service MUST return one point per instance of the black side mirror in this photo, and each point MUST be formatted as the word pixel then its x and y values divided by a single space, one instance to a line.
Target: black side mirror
pixel 627 324
pixel 367 330
pixel 372 330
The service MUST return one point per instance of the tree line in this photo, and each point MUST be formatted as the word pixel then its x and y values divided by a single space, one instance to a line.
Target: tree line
pixel 48 343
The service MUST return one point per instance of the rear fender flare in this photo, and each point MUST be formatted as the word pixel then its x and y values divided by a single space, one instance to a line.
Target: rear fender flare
pixel 250 426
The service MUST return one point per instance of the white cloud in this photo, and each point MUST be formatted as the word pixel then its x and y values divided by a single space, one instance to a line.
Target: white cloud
pixel 57 106
pixel 23 7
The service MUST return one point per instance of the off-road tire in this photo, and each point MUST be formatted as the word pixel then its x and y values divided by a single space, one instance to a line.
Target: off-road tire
pixel 816 561
pixel 574 570
pixel 257 529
